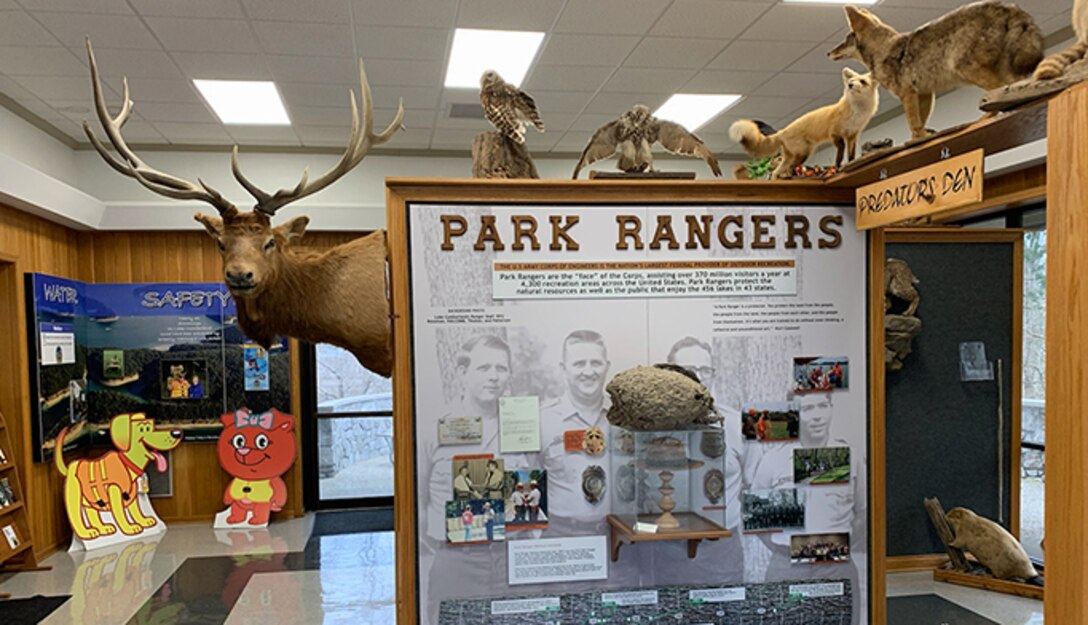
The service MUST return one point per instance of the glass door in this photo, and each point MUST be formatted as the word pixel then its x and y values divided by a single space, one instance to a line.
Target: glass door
pixel 349 439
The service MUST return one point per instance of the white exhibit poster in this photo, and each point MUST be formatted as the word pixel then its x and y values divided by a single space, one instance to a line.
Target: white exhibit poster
pixel 58 343
pixel 765 304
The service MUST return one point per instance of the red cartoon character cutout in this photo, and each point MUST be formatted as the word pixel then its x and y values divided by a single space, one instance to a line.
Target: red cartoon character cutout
pixel 256 449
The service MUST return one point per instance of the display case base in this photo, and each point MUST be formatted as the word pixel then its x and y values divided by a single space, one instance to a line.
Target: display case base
pixel 987 583
pixel 644 175
pixel 691 527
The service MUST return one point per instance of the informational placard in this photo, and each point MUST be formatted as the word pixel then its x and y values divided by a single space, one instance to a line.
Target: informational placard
pixel 551 302
pixel 58 344
pixel 929 190
pixel 173 350
pixel 558 560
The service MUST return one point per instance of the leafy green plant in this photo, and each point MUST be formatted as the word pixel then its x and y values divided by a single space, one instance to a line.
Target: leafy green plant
pixel 760 168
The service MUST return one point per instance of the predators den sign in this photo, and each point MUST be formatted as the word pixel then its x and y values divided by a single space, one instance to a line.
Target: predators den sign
pixel 929 190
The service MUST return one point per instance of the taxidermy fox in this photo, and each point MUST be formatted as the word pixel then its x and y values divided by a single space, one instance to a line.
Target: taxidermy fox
pixel 987 44
pixel 1055 64
pixel 838 123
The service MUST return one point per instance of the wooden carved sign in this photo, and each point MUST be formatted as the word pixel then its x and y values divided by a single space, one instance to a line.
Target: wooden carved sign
pixel 936 188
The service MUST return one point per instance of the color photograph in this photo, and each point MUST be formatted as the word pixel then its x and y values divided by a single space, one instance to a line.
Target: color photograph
pixel 527 499
pixel 773 510
pixel 771 421
pixel 476 521
pixel 183 379
pixel 256 368
pixel 812 374
pixel 820 548
pixel 822 465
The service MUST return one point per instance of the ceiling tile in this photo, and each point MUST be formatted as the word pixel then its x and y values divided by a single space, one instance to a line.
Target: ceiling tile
pixel 1055 23
pixel 443 120
pixel 816 62
pixel 17 28
pixel 105 31
pixel 760 55
pixel 707 18
pixel 633 80
pixel 413 97
pixel 39 108
pixel 588 123
pixel 566 78
pixel 409 141
pixel 395 42
pixel 796 84
pixel 134 132
pixel 135 63
pixel 178 90
pixel 315 69
pixel 561 101
pixel 12 89
pixel 9 5
pixel 404 12
pixel 114 7
pixel 305 39
pixel 223 66
pixel 715 81
pixel 320 116
pixel 321 135
pixel 62 88
pixel 388 72
pixel 675 52
pixel 538 15
pixel 571 142
pixel 794 22
pixel 263 135
pixel 947 5
pixel 185 34
pixel 302 94
pixel 761 107
pixel 588 50
pixel 1039 8
pixel 204 8
pixel 330 11
pixel 610 17
pixel 186 133
pixel 615 104
pixel 175 112
pixel 20 61
pixel 448 139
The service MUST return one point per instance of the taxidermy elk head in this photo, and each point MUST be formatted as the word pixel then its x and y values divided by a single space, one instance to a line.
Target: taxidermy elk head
pixel 338 296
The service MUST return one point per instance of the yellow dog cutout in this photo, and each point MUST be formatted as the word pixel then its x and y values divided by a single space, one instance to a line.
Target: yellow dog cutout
pixel 108 483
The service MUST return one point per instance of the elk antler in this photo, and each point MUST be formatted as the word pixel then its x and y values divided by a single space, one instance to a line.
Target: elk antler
pixel 131 165
pixel 362 138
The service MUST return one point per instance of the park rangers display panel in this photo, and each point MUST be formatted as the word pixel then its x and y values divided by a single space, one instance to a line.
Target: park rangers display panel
pixel 513 315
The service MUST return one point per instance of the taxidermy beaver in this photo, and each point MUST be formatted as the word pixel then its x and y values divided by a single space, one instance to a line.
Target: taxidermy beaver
pixel 661 397
pixel 994 547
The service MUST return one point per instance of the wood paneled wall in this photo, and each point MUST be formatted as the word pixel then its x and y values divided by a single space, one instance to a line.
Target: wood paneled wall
pixel 28 243
pixel 31 244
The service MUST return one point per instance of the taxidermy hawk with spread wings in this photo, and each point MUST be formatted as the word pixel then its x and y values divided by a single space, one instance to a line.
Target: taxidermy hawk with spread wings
pixel 631 137
pixel 508 108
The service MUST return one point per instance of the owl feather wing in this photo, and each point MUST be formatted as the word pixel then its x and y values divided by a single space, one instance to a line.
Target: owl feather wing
pixel 677 140
pixel 601 145
pixel 526 107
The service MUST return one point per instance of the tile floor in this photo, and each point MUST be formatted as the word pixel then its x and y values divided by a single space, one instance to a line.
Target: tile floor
pixel 193 574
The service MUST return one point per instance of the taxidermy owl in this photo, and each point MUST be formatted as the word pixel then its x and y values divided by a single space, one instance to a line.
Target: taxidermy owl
pixel 508 108
pixel 631 137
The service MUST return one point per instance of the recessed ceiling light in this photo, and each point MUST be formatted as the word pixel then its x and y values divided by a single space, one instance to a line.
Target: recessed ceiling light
pixel 835 2
pixel 254 102
pixel 693 110
pixel 508 52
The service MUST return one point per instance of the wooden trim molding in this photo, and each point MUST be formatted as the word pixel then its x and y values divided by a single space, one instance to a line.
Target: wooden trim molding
pixel 1067 359
pixel 878 526
pixel 903 564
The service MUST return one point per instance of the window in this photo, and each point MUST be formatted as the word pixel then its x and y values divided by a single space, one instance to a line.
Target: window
pixel 1033 394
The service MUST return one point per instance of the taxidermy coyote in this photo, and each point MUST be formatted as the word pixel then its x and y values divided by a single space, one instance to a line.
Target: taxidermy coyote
pixel 838 123
pixel 987 44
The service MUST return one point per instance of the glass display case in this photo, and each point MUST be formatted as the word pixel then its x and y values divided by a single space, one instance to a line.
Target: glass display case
pixel 669 485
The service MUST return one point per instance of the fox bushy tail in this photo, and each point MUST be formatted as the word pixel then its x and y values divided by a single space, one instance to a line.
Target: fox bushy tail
pixel 748 133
